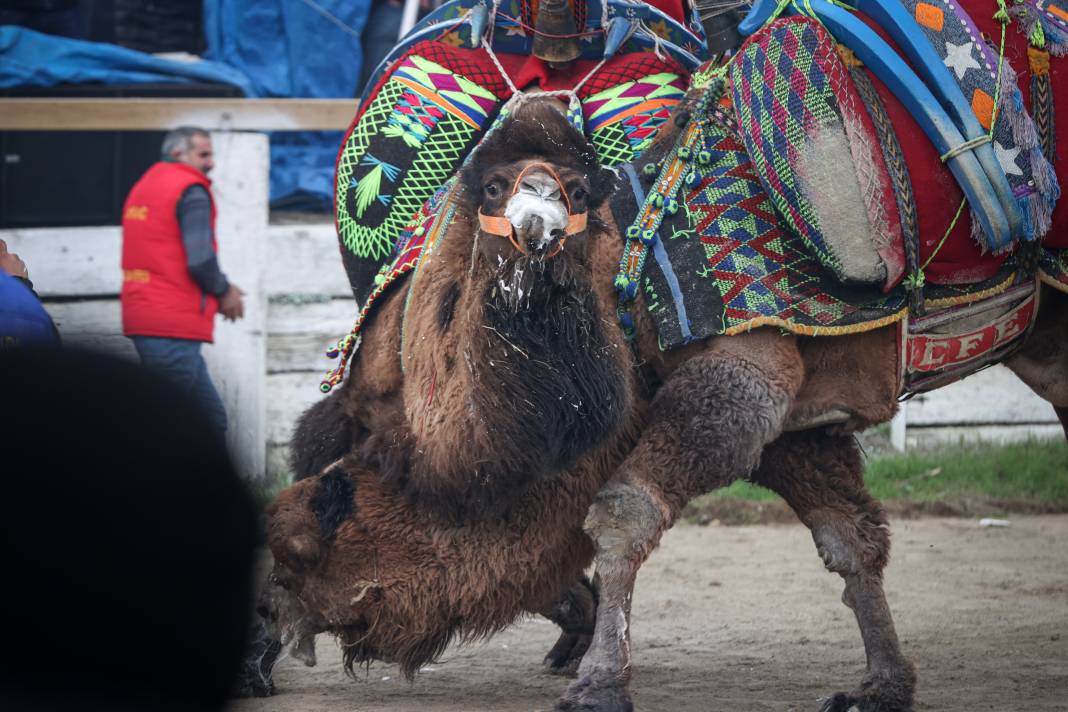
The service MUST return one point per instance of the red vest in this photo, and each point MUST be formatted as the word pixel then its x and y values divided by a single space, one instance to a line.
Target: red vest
pixel 159 297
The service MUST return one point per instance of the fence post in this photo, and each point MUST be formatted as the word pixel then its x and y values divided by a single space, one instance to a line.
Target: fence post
pixel 238 359
pixel 898 426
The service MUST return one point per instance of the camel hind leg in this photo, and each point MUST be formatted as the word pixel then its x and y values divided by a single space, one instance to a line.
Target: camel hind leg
pixel 1042 363
pixel 821 477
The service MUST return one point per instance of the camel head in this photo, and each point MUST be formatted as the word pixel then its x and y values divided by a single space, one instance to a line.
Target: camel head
pixel 533 184
pixel 352 558
pixel 511 325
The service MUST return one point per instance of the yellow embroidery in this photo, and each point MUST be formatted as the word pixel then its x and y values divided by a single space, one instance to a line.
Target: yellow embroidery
pixel 136 212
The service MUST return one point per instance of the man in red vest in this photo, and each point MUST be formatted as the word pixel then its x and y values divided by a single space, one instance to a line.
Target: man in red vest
pixel 172 286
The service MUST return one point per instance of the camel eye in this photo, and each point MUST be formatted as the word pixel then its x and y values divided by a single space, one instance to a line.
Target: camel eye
pixel 491 190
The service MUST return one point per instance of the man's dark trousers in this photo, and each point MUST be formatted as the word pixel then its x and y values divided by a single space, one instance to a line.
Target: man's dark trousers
pixel 181 361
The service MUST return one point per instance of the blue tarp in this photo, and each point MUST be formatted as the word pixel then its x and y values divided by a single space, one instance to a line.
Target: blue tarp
pixel 32 59
pixel 296 48
pixel 308 48
pixel 268 48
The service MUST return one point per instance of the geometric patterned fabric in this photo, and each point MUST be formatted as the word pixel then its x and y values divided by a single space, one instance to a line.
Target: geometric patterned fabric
pixel 639 107
pixel 433 108
pixel 783 93
pixel 761 272
pixel 621 127
pixel 412 137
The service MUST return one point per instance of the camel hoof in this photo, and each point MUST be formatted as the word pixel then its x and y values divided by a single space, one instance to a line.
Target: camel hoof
pixel 590 695
pixel 254 679
pixel 304 650
pixel 839 702
pixel 565 656
pixel 889 690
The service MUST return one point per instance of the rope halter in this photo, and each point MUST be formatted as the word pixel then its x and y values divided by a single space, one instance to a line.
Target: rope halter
pixel 501 226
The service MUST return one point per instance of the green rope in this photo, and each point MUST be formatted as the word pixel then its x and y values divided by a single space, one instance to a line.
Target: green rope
pixel 920 279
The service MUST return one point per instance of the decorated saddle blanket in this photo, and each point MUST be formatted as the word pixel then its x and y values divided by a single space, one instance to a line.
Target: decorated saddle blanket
pixel 737 249
pixel 433 107
pixel 713 246
pixel 724 262
pixel 836 150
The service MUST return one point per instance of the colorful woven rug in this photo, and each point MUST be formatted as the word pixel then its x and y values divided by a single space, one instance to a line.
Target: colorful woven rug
pixel 425 117
pixel 724 263
pixel 434 106
pixel 816 150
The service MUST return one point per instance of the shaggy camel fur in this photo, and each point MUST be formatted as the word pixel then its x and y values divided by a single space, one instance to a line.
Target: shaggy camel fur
pixel 519 438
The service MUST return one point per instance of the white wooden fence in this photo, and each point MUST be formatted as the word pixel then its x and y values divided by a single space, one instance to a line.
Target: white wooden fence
pixel 991 405
pixel 268 366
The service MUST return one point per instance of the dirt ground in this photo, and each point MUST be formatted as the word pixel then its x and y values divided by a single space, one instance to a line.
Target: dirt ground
pixel 746 619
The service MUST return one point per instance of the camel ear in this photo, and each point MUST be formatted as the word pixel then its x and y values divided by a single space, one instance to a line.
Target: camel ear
pixel 304 550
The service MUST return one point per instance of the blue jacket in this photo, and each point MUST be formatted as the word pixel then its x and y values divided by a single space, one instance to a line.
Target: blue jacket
pixel 23 321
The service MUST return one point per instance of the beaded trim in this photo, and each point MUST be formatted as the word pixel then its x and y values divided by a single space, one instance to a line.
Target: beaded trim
pixel 681 166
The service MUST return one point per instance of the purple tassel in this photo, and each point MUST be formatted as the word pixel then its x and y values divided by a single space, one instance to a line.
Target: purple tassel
pixel 1040 203
pixel 1028 17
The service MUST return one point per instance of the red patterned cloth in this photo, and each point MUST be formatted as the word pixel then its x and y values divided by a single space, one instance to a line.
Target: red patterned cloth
pixel 959 261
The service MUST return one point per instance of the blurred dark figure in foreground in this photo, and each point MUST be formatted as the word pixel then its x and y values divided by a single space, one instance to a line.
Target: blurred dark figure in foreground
pixel 127 541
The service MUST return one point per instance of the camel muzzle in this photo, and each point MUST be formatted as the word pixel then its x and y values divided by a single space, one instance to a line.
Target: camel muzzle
pixel 537 219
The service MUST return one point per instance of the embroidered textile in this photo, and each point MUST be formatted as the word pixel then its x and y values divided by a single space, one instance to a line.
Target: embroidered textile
pixel 411 138
pixel 797 108
pixel 743 267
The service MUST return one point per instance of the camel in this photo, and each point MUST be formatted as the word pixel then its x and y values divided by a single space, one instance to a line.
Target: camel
pixel 498 434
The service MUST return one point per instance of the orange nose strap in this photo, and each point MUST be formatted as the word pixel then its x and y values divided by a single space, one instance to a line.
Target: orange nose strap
pixel 493 225
pixel 576 223
pixel 502 226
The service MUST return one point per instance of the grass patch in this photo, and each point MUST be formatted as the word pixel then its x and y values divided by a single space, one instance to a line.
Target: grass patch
pixel 1027 476
pixel 1034 471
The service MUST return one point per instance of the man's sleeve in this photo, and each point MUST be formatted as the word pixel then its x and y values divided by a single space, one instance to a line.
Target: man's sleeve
pixel 194 219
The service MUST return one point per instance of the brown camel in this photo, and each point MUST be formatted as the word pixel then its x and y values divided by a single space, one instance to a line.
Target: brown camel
pixel 499 435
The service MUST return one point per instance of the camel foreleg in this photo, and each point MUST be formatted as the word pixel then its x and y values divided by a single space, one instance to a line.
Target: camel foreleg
pixel 821 477
pixel 709 423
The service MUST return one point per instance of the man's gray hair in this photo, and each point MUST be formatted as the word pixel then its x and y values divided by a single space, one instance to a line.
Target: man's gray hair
pixel 178 139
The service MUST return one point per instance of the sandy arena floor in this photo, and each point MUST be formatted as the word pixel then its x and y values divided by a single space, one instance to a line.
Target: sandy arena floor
pixel 746 619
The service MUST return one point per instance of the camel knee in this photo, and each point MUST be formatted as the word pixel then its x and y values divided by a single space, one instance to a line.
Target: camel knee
pixel 710 398
pixel 836 551
pixel 852 548
pixel 710 424
pixel 624 522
